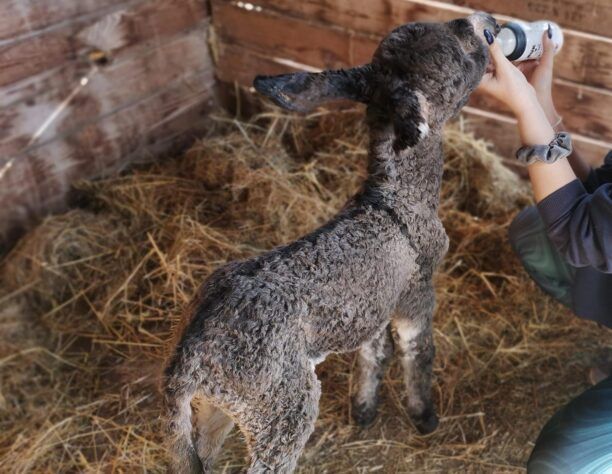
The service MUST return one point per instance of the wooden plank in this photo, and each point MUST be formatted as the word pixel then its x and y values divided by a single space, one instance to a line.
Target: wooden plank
pixel 503 134
pixel 145 22
pixel 585 59
pixel 39 180
pixel 103 144
pixel 292 38
pixel 364 16
pixel 593 16
pixel 240 64
pixel 71 72
pixel 110 88
pixel 27 17
pixel 586 110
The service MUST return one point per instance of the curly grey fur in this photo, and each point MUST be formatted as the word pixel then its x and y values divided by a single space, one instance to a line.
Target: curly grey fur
pixel 257 328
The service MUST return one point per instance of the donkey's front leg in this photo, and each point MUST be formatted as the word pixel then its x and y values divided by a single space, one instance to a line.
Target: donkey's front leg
pixel 413 325
pixel 373 359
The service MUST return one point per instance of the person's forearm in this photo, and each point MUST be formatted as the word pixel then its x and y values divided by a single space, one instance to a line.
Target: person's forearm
pixel 535 129
pixel 533 125
pixel 547 178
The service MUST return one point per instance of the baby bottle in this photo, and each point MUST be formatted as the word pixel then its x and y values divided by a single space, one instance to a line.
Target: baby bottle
pixel 521 41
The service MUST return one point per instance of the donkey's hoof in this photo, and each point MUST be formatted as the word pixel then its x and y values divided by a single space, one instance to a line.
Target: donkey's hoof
pixel 363 414
pixel 426 422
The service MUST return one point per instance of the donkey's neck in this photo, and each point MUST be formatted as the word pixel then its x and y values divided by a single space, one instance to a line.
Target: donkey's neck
pixel 408 181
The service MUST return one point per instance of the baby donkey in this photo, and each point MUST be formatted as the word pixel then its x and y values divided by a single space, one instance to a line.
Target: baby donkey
pixel 257 328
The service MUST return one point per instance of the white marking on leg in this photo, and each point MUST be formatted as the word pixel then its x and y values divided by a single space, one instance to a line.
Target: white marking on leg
pixel 424 129
pixel 368 384
pixel 318 360
pixel 407 331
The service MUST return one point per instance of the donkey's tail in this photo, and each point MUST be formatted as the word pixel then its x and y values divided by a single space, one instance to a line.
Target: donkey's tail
pixel 178 392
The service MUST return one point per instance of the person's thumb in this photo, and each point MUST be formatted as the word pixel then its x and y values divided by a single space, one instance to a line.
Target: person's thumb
pixel 549 49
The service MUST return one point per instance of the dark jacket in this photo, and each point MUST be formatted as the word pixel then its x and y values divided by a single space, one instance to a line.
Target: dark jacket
pixel 578 218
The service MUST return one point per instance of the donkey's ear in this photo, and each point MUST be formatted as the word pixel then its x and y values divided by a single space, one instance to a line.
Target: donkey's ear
pixel 409 121
pixel 303 91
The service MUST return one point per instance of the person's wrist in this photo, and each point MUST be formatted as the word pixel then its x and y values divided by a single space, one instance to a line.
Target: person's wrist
pixel 528 107
pixel 548 106
pixel 534 127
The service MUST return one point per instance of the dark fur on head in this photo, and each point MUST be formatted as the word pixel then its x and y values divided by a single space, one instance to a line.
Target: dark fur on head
pixel 432 66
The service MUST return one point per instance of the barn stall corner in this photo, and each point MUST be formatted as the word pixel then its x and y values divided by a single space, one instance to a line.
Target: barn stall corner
pixel 88 87
pixel 124 184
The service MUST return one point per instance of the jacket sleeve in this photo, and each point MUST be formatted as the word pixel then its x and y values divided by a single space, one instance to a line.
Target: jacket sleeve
pixel 579 224
pixel 601 175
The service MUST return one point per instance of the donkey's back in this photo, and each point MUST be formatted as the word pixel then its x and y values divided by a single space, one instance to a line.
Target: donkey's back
pixel 258 327
pixel 331 290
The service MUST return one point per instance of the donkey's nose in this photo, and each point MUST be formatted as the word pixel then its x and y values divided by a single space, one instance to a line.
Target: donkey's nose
pixel 484 21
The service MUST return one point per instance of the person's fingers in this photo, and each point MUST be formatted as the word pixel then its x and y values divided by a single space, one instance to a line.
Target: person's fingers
pixel 489 85
pixel 497 56
pixel 527 67
pixel 487 78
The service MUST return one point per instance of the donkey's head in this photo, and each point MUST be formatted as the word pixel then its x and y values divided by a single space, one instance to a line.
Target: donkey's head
pixel 420 76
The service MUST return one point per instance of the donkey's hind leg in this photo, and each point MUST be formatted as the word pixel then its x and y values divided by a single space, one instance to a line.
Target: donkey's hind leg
pixel 373 359
pixel 212 427
pixel 279 425
pixel 415 340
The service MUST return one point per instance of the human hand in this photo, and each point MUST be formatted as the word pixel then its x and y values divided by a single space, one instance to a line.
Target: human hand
pixel 539 73
pixel 507 83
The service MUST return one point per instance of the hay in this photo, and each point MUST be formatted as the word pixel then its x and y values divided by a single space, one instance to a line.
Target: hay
pixel 89 299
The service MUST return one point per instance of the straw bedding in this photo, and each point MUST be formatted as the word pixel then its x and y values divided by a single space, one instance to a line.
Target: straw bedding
pixel 88 300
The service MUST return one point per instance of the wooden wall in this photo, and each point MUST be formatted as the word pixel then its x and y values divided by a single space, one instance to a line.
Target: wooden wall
pixel 275 36
pixel 87 86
